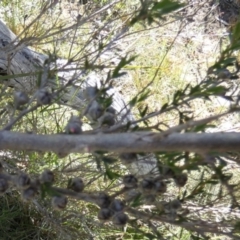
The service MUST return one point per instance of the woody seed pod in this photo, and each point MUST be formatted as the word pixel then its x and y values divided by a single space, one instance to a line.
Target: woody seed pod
pixel 74 125
pixel 103 200
pixel 120 219
pixel 130 181
pixel 20 98
pixel 47 176
pixel 160 186
pixel 181 179
pixel 147 186
pixel 105 214
pixel 22 181
pixel 117 205
pixel 43 97
pixel 107 119
pixel 29 193
pixel 76 184
pixel 128 158
pixel 59 202
pixel 175 204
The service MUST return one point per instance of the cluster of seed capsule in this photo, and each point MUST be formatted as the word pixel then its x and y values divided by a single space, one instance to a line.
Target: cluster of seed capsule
pixel 112 209
pixel 149 188
pixel 95 111
pixel 30 188
pixel 180 178
pixel 43 97
pixel 109 208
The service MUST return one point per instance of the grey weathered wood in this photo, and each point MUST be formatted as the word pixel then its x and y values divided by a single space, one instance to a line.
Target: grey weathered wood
pixel 16 58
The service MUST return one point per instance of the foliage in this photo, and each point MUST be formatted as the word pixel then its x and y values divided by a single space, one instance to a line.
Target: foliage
pixel 104 194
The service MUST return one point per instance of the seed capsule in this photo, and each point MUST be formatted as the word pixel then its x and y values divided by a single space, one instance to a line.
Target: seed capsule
pixel 130 181
pixel 175 204
pixel 147 186
pixel 20 98
pixel 29 193
pixel 120 219
pixel 103 200
pixel 181 179
pixel 74 125
pixel 105 214
pixel 76 184
pixel 160 186
pixel 107 119
pixel 59 202
pixel 23 181
pixel 117 205
pixel 128 158
pixel 47 176
pixel 43 97
pixel 224 74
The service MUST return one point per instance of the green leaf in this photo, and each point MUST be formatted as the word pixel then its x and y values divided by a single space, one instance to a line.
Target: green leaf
pixel 150 236
pixel 203 127
pixel 144 95
pixel 216 90
pixel 105 101
pixel 143 112
pixel 195 89
pixel 86 64
pixel 166 6
pixel 214 182
pixel 137 201
pixel 237 227
pixel 236 32
pixel 222 64
pixel 123 62
pixel 164 107
pixel 109 160
pixel 133 101
pixel 112 175
pixel 100 152
pixel 6 77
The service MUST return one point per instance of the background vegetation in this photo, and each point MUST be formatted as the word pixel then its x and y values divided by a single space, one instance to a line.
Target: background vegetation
pixel 180 64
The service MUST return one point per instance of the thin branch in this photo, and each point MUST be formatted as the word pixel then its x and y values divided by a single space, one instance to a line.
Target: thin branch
pixel 22 114
pixel 121 142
